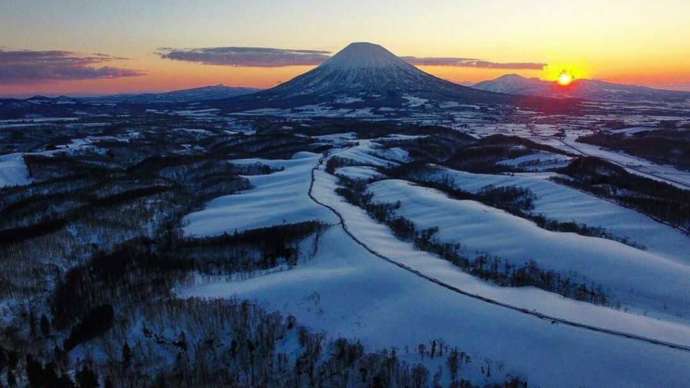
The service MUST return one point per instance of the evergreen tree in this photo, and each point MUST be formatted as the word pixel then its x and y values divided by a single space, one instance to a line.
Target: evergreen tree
pixel 45 325
pixel 126 355
pixel 86 378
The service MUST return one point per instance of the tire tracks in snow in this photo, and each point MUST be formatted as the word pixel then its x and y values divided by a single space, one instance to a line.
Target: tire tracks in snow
pixel 521 310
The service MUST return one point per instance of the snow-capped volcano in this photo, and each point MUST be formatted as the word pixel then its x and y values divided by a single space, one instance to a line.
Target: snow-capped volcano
pixel 362 70
pixel 364 55
pixel 372 76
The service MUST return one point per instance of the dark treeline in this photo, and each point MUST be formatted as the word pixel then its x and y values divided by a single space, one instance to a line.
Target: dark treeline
pixel 281 145
pixel 89 285
pixel 233 343
pixel 493 269
pixel 665 145
pixel 654 198
pixel 89 203
pixel 95 323
pixel 251 250
pixel 253 169
pixel 483 155
pixel 126 294
pixel 334 162
pixel 23 233
pixel 26 216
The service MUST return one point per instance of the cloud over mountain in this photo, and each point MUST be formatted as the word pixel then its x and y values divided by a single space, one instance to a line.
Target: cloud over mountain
pixel 274 57
pixel 472 62
pixel 246 56
pixel 25 66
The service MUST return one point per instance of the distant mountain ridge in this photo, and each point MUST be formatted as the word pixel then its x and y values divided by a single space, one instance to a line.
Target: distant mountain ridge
pixel 581 89
pixel 213 92
pixel 64 106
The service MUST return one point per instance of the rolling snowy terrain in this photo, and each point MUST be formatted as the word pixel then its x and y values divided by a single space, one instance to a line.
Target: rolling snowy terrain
pixel 348 291
pixel 364 224
pixel 567 204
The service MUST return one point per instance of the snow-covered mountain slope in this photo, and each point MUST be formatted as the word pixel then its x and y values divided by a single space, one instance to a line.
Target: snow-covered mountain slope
pixel 347 291
pixel 364 74
pixel 585 89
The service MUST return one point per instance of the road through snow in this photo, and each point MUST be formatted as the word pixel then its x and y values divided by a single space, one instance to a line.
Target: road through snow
pixel 521 310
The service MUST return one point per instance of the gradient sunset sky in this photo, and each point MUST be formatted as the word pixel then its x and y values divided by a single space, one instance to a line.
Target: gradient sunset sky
pixel 97 47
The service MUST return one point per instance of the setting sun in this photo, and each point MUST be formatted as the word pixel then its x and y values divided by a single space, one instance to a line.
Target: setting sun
pixel 565 79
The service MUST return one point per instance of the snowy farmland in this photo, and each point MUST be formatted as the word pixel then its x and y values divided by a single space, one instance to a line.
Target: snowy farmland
pixel 349 292
pixel 277 198
pixel 481 229
pixel 566 204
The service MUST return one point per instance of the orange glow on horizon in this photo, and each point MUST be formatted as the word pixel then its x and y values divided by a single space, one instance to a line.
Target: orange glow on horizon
pixel 565 72
pixel 165 75
pixel 565 79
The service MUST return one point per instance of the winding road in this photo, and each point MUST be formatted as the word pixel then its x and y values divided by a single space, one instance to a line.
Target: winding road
pixel 536 314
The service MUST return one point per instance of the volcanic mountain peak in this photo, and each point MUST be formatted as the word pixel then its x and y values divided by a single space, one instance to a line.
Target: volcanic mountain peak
pixel 364 55
pixel 366 73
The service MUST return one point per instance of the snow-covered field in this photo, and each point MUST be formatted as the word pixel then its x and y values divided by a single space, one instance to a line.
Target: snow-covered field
pixel 539 161
pixel 566 204
pixel 636 165
pixel 338 138
pixel 368 152
pixel 346 291
pixel 13 171
pixel 414 101
pixel 632 164
pixel 363 173
pixel 633 276
pixel 277 198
